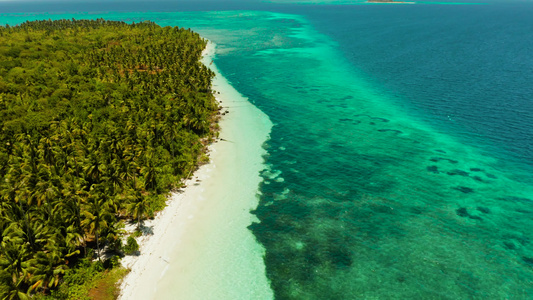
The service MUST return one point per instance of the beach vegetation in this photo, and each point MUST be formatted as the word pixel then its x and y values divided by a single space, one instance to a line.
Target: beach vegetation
pixel 131 246
pixel 99 121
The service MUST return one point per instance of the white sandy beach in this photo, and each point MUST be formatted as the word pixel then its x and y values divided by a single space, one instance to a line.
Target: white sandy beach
pixel 200 247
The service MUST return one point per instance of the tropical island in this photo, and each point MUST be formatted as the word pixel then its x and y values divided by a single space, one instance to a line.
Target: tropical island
pixel 99 121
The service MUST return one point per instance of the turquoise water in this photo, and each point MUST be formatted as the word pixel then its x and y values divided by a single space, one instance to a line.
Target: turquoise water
pixel 368 192
pixel 363 201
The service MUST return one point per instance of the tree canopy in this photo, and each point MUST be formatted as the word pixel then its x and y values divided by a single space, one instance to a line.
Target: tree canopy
pixel 99 120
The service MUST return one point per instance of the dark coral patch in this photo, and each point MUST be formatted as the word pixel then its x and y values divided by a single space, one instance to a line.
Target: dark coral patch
pixel 340 257
pixel 516 199
pixel 380 119
pixel 362 115
pixel 437 159
pixel 509 245
pixel 433 169
pixel 373 118
pixel 482 170
pixel 458 172
pixel 395 131
pixel 477 178
pixel 491 176
pixel 462 212
pixel 417 210
pixel 464 189
pixel 528 260
pixel 484 210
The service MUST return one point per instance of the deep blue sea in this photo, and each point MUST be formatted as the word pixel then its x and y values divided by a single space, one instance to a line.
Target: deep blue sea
pixel 400 164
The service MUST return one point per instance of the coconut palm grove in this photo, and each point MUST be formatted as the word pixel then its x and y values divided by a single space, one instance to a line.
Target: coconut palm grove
pixel 99 121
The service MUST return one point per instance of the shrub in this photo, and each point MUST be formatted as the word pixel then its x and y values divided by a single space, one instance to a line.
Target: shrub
pixel 131 246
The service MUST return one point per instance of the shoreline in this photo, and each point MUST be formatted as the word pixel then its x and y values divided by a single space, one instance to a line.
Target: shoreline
pixel 175 258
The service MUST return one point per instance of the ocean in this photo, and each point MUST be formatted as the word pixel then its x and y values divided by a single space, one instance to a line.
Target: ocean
pixel 400 161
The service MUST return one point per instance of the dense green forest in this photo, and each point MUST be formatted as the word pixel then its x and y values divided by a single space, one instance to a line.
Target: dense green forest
pixel 99 121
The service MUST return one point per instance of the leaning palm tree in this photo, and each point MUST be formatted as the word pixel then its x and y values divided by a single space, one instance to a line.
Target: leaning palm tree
pixel 138 204
pixel 97 216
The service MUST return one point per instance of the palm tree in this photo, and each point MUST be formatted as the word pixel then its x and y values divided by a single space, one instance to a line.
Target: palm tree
pixel 138 204
pixel 127 125
pixel 97 216
pixel 71 213
pixel 46 269
pixel 149 172
pixel 14 268
pixel 15 288
pixel 30 230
